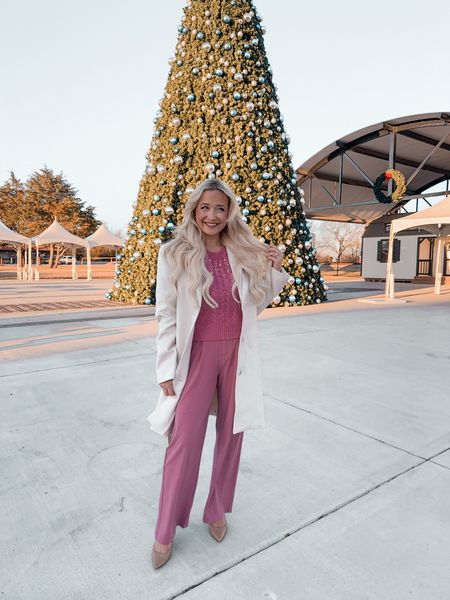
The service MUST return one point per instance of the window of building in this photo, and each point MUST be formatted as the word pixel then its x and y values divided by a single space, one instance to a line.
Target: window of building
pixel 383 249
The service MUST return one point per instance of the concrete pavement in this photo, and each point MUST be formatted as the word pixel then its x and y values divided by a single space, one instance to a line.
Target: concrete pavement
pixel 344 495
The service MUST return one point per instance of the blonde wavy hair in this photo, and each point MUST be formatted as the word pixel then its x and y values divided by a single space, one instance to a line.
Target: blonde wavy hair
pixel 186 252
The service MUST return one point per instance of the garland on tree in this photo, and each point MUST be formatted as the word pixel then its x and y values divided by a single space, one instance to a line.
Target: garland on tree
pixel 219 117
pixel 400 186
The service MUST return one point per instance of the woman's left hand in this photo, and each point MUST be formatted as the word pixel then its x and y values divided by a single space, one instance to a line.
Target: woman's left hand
pixel 275 256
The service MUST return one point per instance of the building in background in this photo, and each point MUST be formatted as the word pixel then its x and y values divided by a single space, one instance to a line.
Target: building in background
pixel 338 184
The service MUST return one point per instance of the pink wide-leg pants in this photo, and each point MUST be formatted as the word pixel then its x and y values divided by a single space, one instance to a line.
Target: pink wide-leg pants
pixel 212 363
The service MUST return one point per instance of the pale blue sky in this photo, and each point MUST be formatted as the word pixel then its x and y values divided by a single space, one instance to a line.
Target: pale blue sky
pixel 81 81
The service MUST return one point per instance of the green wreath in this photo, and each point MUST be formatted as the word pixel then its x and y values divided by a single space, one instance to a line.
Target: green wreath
pixel 400 186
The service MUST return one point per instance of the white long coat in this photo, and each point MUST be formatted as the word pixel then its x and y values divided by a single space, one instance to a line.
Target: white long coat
pixel 174 341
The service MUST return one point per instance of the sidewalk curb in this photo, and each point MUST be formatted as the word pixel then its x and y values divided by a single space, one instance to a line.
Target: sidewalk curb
pixel 71 317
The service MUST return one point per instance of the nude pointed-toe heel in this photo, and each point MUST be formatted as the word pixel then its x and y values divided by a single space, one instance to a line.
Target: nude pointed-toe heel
pixel 217 531
pixel 160 558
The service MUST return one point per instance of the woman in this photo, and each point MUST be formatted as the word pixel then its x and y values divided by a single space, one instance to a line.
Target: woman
pixel 213 279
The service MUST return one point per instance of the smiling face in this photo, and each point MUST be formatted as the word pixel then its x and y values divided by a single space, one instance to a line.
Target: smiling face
pixel 211 214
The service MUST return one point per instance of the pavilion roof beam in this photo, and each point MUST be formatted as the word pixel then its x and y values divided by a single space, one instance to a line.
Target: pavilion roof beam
pixel 345 180
pixel 399 159
pixel 325 190
pixel 419 137
pixel 429 155
pixel 358 168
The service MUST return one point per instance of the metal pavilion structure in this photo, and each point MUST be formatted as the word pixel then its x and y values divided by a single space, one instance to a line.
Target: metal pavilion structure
pixel 338 181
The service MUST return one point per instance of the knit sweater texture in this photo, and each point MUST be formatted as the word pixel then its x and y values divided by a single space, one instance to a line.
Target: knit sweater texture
pixel 225 321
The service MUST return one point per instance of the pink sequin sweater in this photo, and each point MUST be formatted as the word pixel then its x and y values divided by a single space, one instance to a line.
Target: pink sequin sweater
pixel 225 321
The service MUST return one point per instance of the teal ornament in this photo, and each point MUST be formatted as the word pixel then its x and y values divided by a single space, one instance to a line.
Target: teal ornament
pixel 191 97
pixel 218 72
pixel 132 231
pixel 227 46
pixel 233 112
pixel 226 19
pixel 173 140
pixel 236 96
pixel 254 166
pixel 245 212
pixel 266 175
pixel 235 177
pixel 195 71
pixel 147 301
pixel 170 226
pixel 298 280
pixel 155 211
pixel 215 154
pixel 200 35
pixel 261 79
pixel 161 229
pixel 292 298
pixel 261 199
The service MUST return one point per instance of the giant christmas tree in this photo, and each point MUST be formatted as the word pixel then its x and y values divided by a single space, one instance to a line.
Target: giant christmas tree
pixel 219 116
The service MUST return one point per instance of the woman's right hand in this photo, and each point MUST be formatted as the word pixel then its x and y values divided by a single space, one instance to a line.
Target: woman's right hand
pixel 167 387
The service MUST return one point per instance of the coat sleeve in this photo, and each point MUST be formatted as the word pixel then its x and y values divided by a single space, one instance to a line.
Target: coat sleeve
pixel 165 313
pixel 275 282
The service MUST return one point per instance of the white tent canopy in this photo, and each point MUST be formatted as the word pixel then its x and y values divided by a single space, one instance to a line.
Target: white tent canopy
pixel 8 235
pixel 103 237
pixel 57 234
pixel 436 220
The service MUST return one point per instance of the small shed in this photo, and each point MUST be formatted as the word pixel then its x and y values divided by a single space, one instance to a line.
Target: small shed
pixel 414 252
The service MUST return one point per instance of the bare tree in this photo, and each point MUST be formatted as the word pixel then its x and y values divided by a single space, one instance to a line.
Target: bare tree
pixel 338 240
